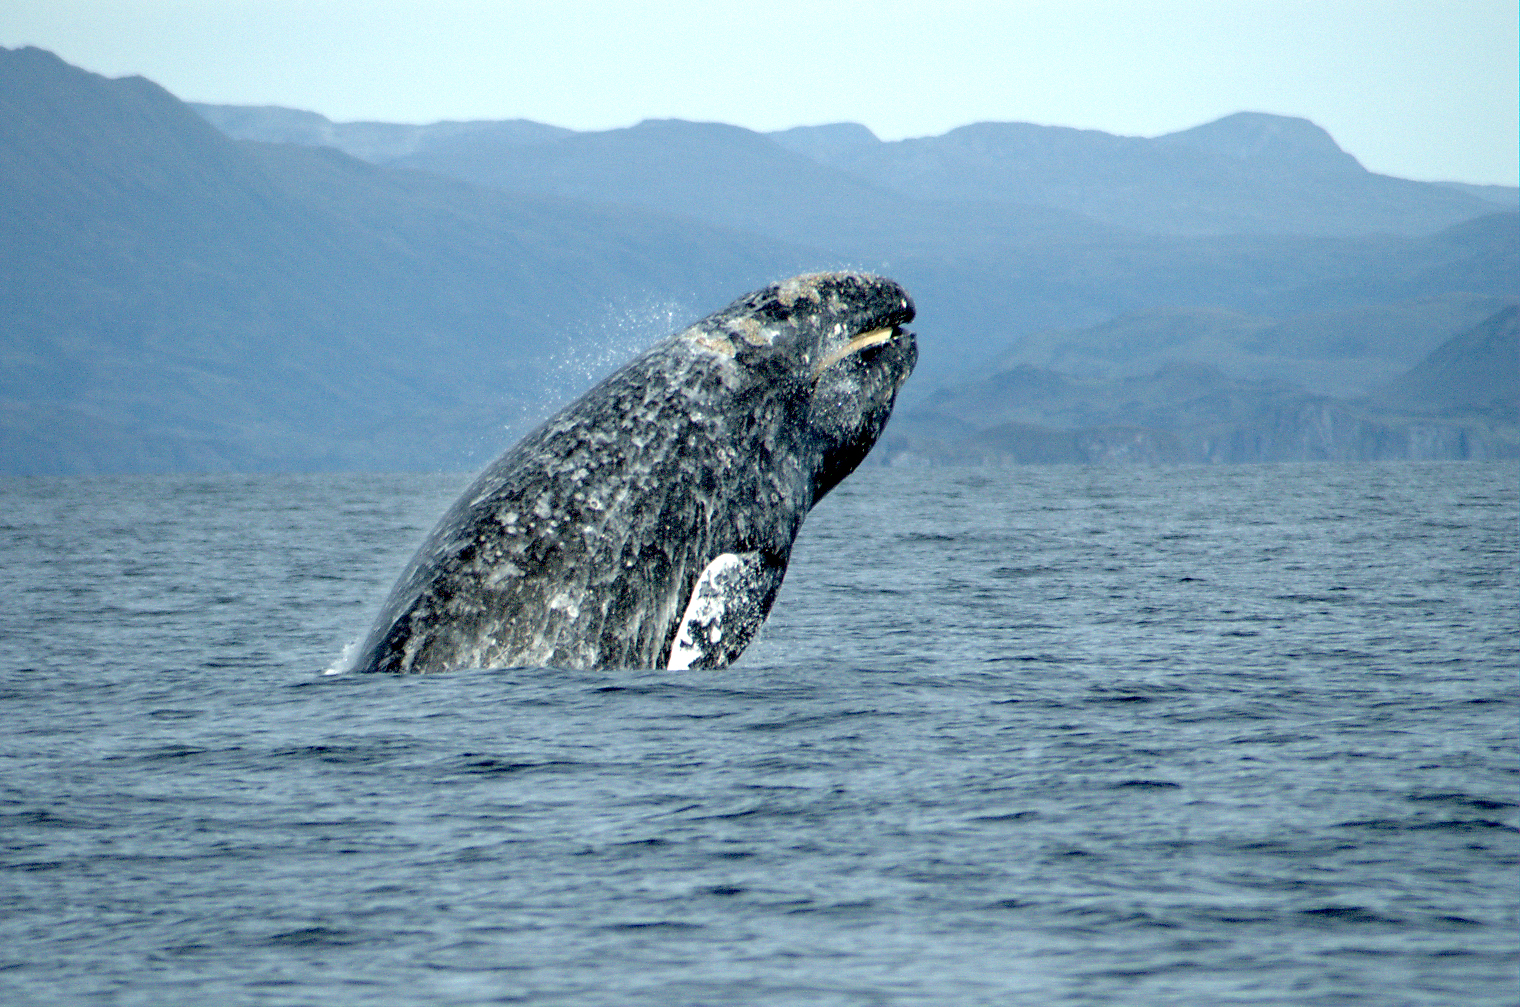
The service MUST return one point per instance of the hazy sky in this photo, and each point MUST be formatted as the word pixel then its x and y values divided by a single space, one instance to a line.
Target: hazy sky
pixel 1419 89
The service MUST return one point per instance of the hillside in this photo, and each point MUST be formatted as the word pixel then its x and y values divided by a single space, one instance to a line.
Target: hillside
pixel 1474 373
pixel 376 142
pixel 1459 402
pixel 1334 351
pixel 1247 173
pixel 175 299
pixel 732 177
pixel 989 273
pixel 999 272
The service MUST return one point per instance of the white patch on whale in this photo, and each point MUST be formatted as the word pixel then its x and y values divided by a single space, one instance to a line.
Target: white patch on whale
pixel 703 624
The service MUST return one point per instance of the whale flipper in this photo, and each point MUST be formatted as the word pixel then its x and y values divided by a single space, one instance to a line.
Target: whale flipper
pixel 727 607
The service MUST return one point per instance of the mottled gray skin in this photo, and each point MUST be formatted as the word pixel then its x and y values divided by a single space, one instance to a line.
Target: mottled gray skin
pixel 582 545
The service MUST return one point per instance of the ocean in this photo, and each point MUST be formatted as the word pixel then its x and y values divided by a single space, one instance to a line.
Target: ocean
pixel 1060 735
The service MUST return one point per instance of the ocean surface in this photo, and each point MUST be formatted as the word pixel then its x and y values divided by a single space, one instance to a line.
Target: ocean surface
pixel 1237 735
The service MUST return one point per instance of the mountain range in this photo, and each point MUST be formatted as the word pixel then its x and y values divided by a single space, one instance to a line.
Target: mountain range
pixel 1459 402
pixel 178 300
pixel 212 287
pixel 1248 173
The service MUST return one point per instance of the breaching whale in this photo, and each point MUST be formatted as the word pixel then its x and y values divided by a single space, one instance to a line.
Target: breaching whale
pixel 649 523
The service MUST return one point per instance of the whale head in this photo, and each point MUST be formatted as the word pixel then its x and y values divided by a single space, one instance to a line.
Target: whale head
pixel 831 347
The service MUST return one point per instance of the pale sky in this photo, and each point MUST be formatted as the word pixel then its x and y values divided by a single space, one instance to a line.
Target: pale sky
pixel 1423 90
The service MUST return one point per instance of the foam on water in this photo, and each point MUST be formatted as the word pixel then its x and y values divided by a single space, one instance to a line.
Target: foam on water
pixel 344 662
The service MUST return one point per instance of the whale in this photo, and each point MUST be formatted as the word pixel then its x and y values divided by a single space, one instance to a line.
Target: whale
pixel 649 523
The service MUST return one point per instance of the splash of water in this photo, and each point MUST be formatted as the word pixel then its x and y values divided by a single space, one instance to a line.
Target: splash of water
pixel 594 349
pixel 344 662
pixel 622 333
pixel 599 348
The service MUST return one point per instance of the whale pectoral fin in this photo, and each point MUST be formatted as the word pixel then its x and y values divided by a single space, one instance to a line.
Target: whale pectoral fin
pixel 725 611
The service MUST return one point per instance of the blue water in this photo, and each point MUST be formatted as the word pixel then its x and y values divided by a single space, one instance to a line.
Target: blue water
pixel 1238 735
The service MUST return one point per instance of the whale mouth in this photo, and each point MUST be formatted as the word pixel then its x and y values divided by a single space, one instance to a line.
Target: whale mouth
pixel 866 339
